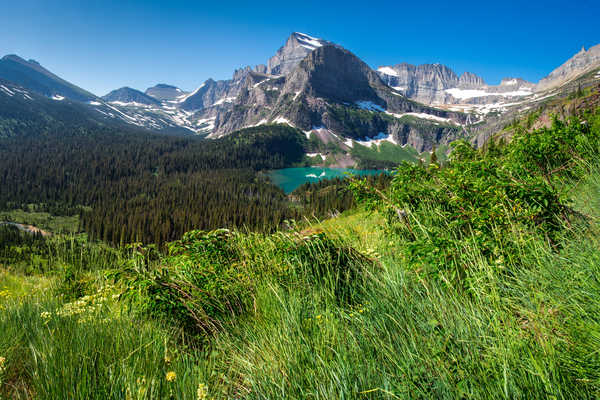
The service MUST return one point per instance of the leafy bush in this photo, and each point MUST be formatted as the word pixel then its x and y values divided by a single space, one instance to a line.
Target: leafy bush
pixel 210 279
pixel 485 199
pixel 201 285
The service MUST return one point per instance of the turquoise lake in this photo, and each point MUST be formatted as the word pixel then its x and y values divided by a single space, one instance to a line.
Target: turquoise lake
pixel 290 178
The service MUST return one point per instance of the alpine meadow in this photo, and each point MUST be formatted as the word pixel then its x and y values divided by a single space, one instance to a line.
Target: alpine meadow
pixel 311 228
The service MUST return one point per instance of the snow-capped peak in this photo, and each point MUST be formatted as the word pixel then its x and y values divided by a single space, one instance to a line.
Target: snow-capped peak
pixel 308 42
pixel 184 97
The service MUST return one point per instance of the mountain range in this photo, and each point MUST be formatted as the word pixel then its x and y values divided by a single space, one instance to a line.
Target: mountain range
pixel 316 86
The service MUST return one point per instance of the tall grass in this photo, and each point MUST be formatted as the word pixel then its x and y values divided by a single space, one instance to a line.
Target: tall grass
pixel 527 328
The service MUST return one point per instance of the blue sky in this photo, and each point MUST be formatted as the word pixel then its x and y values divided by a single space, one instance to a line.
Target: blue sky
pixel 103 45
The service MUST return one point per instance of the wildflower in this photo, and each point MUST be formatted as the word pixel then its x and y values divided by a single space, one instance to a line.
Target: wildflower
pixel 171 376
pixel 45 316
pixel 202 391
pixel 2 361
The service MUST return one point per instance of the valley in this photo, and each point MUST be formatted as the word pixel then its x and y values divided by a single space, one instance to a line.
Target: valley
pixel 313 227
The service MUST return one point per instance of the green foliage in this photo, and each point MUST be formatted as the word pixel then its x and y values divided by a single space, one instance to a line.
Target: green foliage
pixel 329 197
pixel 203 285
pixel 386 155
pixel 481 197
pixel 210 279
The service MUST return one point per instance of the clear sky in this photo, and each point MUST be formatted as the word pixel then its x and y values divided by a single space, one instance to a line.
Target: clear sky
pixel 103 45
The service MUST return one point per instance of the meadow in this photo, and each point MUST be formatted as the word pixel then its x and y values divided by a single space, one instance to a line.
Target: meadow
pixel 476 279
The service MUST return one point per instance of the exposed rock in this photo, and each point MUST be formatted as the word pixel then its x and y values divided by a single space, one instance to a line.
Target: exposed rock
pixel 469 80
pixel 289 56
pixel 424 83
pixel 573 67
pixel 129 95
pixel 333 89
pixel 438 84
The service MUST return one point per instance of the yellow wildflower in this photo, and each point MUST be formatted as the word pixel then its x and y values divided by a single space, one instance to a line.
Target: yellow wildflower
pixel 171 376
pixel 202 391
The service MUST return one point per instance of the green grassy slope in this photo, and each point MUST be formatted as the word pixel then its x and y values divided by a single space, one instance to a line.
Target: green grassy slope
pixel 354 307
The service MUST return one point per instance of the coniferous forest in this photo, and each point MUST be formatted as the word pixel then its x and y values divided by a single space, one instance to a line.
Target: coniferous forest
pixel 133 186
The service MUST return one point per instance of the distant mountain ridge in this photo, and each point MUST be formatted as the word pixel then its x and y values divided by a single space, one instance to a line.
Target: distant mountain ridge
pixel 129 95
pixel 581 62
pixel 30 74
pixel 318 87
pixel 438 84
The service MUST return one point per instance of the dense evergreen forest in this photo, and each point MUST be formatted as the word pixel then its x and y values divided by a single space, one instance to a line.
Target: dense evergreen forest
pixel 133 186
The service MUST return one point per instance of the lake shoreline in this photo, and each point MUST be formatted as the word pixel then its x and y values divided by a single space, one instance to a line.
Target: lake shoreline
pixel 290 179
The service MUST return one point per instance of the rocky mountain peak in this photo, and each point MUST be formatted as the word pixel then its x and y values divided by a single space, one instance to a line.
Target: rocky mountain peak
pixel 574 66
pixel 31 75
pixel 335 73
pixel 297 46
pixel 128 95
pixel 469 80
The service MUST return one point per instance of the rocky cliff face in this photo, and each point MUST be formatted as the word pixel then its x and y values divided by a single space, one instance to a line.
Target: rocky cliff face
pixel 129 95
pixel 469 80
pixel 332 89
pixel 289 56
pixel 425 83
pixel 573 67
pixel 438 84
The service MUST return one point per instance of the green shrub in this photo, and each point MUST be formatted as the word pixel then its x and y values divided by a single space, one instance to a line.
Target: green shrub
pixel 486 199
pixel 201 285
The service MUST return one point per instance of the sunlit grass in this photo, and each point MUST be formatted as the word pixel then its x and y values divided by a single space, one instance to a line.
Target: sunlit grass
pixel 527 331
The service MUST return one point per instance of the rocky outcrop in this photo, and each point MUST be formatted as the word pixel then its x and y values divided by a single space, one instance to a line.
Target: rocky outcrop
pixel 438 84
pixel 216 93
pixel 424 83
pixel 296 48
pixel 469 80
pixel 573 67
pixel 333 89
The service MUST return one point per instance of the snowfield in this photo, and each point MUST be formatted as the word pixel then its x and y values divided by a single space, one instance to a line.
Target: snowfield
pixel 308 42
pixel 387 71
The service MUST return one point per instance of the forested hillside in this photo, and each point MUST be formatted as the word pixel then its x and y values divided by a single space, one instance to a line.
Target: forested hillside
pixel 133 186
pixel 472 279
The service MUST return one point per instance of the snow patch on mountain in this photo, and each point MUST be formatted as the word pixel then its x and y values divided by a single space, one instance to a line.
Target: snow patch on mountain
pixel 184 97
pixel 130 104
pixel 463 94
pixel 308 42
pixel 7 90
pixel 422 116
pixel 388 71
pixel 224 100
pixel 281 120
pixel 376 140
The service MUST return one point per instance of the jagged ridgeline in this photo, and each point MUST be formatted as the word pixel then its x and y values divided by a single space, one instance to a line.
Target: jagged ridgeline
pixel 152 188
